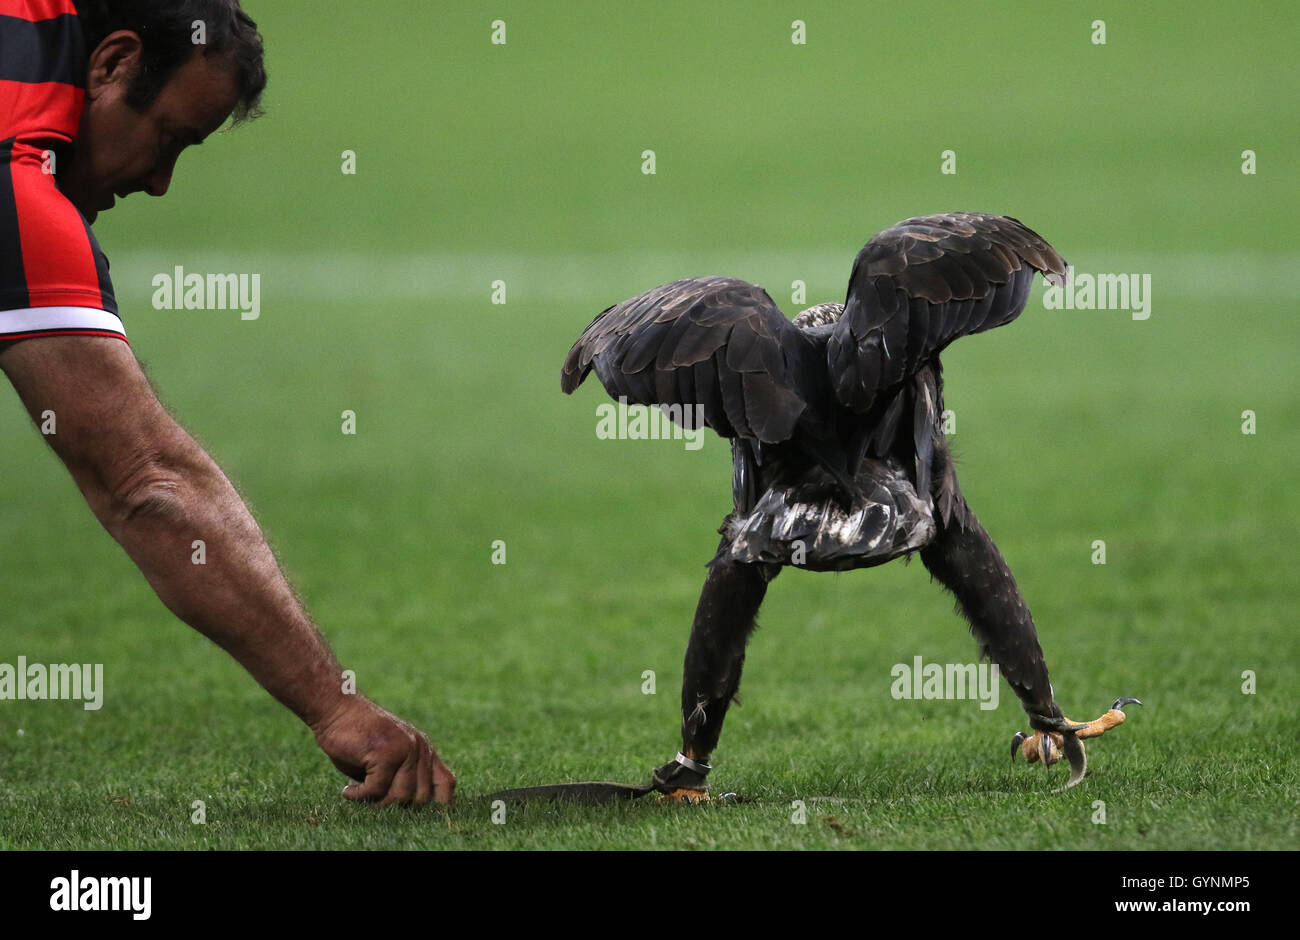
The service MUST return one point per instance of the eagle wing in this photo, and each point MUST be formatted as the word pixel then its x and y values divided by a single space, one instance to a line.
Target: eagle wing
pixel 718 343
pixel 923 283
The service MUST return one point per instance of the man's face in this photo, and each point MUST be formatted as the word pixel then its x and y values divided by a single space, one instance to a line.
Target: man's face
pixel 121 150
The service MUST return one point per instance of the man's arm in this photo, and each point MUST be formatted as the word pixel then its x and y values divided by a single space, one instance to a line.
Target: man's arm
pixel 156 490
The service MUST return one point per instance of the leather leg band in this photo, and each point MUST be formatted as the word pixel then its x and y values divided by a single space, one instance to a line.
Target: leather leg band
pixel 676 775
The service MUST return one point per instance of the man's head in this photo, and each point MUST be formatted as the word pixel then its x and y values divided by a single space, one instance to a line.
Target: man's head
pixel 160 77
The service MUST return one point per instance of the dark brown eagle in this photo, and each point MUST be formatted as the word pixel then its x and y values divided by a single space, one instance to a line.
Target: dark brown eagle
pixel 839 458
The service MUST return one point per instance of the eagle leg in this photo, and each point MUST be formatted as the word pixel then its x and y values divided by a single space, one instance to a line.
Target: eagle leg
pixel 965 560
pixel 715 656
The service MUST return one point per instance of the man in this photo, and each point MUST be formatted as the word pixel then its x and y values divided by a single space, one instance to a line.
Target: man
pixel 97 100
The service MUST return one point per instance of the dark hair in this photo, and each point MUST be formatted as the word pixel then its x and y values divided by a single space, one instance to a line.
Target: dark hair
pixel 166 31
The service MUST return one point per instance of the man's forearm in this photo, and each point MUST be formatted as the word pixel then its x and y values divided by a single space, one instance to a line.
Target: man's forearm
pixel 231 588
pixel 157 492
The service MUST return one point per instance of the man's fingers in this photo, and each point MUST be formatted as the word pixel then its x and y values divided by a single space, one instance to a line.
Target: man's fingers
pixel 424 773
pixel 403 785
pixel 379 777
pixel 444 782
pixel 350 770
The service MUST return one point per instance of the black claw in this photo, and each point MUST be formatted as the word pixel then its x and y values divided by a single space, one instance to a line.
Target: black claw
pixel 1121 702
pixel 1078 761
pixel 1045 749
pixel 1017 740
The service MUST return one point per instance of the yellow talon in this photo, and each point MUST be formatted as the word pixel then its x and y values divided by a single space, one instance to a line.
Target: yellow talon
pixel 1049 746
pixel 686 795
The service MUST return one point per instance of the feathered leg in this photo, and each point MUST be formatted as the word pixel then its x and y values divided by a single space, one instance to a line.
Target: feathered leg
pixel 715 656
pixel 964 559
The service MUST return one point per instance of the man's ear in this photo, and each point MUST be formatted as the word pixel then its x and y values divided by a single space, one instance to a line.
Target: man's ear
pixel 113 63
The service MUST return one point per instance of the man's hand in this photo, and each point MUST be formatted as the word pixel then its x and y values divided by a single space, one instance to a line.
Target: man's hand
pixel 392 758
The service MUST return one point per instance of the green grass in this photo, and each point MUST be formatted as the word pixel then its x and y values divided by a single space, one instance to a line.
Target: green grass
pixel 775 163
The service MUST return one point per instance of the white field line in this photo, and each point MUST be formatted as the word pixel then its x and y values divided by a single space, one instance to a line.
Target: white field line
pixel 595 281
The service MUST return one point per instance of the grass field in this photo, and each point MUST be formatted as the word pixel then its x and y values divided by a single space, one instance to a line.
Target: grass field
pixel 774 162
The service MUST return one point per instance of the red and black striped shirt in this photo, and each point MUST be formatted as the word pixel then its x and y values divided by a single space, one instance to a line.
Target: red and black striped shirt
pixel 53 276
